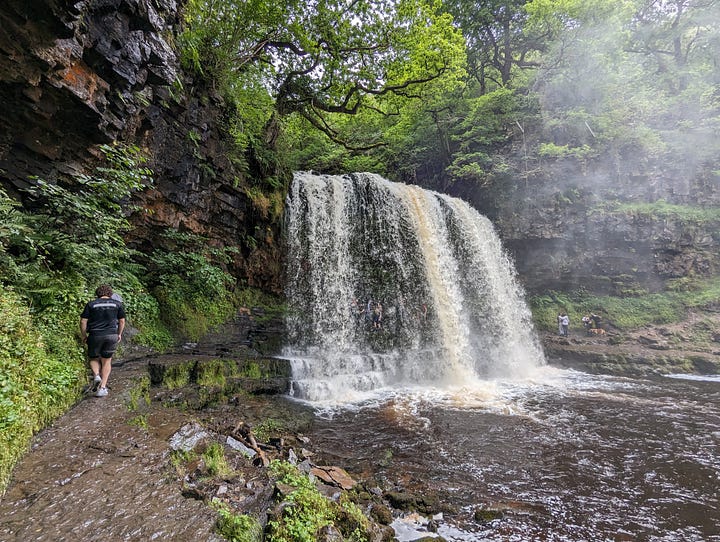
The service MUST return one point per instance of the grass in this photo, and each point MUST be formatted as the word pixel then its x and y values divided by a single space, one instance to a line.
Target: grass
pixel 139 421
pixel 626 313
pixel 178 375
pixel 252 370
pixel 663 209
pixel 214 373
pixel 179 460
pixel 215 460
pixel 139 394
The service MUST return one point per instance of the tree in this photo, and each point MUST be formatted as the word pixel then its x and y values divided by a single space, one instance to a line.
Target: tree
pixel 324 57
pixel 498 39
pixel 675 35
pixel 634 81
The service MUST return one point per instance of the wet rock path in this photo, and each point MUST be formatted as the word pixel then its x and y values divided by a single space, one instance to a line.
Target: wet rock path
pixel 93 476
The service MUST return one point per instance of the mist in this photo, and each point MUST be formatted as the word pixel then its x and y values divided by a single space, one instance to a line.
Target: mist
pixel 640 88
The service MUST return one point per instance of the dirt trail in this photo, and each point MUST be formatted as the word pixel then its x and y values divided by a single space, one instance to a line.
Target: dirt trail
pixel 92 476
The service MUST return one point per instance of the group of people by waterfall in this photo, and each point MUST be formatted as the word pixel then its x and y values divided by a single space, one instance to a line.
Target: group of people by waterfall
pixel 372 313
pixel 591 323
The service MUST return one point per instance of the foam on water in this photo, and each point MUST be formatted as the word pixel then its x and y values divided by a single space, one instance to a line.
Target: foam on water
pixel 509 397
pixel 700 378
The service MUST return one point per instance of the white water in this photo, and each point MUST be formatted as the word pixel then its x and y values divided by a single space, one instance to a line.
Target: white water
pixel 453 312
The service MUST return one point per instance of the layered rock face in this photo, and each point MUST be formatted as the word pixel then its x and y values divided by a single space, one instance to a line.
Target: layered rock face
pixel 617 253
pixel 607 232
pixel 76 74
pixel 71 75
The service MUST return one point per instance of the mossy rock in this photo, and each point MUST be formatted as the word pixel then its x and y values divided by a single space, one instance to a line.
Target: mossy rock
pixel 486 515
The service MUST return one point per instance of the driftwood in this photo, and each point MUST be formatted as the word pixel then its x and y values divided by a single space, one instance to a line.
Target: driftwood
pixel 243 433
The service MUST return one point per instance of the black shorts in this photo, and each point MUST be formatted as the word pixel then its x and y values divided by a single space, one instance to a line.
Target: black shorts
pixel 102 346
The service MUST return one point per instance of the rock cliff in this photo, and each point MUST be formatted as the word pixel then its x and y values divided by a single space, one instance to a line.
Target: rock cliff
pixel 605 231
pixel 76 74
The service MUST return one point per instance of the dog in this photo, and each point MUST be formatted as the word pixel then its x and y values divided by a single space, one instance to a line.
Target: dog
pixel 596 331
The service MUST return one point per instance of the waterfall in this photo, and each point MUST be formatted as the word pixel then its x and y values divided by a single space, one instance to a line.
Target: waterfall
pixel 360 246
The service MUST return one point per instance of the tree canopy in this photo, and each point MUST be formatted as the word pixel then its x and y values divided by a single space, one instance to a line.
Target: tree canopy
pixel 322 58
pixel 434 92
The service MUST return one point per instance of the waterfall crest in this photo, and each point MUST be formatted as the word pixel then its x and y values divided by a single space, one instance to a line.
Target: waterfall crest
pixel 393 285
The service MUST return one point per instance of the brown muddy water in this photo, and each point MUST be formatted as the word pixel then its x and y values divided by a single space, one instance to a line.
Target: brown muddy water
pixel 564 457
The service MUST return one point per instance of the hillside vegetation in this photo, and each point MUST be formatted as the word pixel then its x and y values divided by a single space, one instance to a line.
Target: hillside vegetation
pixel 53 256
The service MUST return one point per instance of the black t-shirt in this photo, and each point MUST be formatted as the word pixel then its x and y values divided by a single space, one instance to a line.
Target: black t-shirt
pixel 102 315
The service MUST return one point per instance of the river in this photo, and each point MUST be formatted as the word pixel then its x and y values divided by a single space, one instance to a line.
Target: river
pixel 564 456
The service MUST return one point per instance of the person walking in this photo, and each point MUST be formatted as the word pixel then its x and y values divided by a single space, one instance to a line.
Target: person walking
pixel 101 326
pixel 377 316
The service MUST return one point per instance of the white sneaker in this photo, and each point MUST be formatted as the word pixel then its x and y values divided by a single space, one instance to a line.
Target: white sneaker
pixel 95 383
pixel 102 392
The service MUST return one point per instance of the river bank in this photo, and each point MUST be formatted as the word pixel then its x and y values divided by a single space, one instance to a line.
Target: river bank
pixel 689 346
pixel 138 464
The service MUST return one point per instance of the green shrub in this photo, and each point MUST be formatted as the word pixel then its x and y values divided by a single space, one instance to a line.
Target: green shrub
pixel 192 289
pixel 143 312
pixel 353 523
pixel 308 511
pixel 236 527
pixel 267 429
pixel 188 311
pixel 179 460
pixel 39 378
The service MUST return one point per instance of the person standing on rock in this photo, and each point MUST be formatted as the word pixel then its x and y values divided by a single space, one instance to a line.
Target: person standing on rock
pixel 564 324
pixel 101 325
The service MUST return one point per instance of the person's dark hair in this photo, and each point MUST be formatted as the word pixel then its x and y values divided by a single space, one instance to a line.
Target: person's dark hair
pixel 104 290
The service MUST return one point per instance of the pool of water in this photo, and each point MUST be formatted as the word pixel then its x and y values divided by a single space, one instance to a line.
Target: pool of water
pixel 562 456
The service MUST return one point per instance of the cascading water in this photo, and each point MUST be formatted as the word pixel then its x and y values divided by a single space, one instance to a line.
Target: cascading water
pixel 433 268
